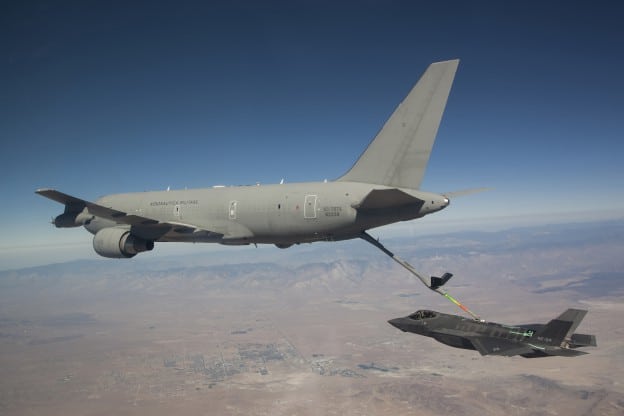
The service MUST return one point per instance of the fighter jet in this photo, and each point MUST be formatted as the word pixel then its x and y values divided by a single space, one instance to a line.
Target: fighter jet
pixel 557 337
pixel 381 188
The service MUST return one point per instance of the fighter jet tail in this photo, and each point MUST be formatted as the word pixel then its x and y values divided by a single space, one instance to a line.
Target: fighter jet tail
pixel 398 155
pixel 562 328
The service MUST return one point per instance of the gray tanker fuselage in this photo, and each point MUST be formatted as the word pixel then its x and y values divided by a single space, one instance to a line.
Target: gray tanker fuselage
pixel 278 214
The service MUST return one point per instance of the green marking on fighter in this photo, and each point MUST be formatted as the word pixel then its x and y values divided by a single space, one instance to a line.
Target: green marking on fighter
pixel 381 188
pixel 556 338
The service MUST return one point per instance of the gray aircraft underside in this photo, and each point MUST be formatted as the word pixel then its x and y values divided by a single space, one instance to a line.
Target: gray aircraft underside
pixel 381 188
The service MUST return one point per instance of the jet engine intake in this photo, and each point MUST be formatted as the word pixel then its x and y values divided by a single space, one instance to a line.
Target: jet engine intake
pixel 119 243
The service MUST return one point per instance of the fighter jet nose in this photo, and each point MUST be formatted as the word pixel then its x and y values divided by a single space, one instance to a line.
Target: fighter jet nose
pixel 395 322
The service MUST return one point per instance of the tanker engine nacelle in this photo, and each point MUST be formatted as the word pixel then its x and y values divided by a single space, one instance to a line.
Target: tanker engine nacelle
pixel 72 219
pixel 119 243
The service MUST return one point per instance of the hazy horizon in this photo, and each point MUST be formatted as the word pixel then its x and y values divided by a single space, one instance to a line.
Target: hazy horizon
pixel 76 244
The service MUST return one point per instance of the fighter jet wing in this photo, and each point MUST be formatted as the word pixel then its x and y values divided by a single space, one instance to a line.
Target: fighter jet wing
pixel 488 345
pixel 457 332
pixel 142 226
pixel 497 346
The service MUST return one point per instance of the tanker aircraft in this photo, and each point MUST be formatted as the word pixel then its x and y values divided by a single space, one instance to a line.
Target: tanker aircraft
pixel 382 187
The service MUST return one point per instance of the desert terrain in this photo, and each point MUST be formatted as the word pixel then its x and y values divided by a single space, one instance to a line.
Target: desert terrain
pixel 304 331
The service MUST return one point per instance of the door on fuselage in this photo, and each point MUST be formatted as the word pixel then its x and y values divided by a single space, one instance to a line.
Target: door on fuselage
pixel 232 210
pixel 309 207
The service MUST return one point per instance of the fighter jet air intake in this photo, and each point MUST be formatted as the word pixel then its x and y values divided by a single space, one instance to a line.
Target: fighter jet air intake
pixel 382 187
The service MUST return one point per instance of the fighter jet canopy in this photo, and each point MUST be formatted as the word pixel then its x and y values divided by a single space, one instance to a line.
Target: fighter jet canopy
pixel 422 314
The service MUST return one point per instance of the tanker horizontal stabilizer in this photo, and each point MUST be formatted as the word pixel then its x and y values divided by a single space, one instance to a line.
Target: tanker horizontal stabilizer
pixel 386 198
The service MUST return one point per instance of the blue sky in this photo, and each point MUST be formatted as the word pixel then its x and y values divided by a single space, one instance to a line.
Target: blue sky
pixel 107 97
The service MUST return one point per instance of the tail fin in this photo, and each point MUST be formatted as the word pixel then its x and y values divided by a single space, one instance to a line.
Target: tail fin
pixel 399 153
pixel 562 327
